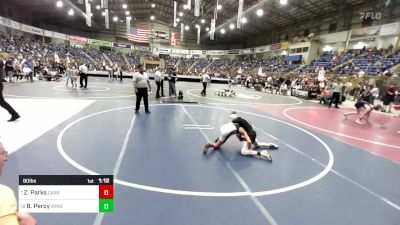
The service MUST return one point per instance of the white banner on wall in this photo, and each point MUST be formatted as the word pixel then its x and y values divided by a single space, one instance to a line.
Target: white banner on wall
pixel 10 23
pixel 196 52
pixel 389 29
pixel 180 51
pixel 248 51
pixel 32 30
pixel 216 52
pixel 233 52
pixel 142 48
pixel 164 51
pixel 263 49
pixel 53 34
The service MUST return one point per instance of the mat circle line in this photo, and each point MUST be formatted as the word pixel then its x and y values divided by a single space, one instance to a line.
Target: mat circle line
pixel 302 184
pixel 69 97
pixel 285 112
pixel 299 102
pixel 63 88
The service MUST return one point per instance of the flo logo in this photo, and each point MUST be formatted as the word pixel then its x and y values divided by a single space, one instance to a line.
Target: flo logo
pixel 370 15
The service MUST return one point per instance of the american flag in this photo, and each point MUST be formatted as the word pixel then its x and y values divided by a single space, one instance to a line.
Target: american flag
pixel 140 35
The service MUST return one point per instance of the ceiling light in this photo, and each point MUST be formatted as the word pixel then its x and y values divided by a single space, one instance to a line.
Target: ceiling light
pixel 59 4
pixel 152 17
pixel 90 14
pixel 153 5
pixel 283 2
pixel 186 27
pixel 98 7
pixel 103 13
pixel 231 26
pixel 244 20
pixel 178 19
pixel 124 6
pixel 222 31
pixel 71 12
pixel 197 26
pixel 180 13
pixel 115 18
pixel 127 13
pixel 185 7
pixel 260 12
pixel 219 7
pixel 207 29
pixel 128 17
pixel 203 21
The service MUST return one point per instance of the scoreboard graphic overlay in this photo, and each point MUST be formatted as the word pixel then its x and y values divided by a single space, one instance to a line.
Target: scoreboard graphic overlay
pixel 66 193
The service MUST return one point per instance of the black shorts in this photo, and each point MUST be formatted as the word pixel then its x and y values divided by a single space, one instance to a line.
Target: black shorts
pixel 252 136
pixel 388 99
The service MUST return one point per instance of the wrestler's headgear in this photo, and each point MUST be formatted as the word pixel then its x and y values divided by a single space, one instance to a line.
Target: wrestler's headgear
pixel 234 115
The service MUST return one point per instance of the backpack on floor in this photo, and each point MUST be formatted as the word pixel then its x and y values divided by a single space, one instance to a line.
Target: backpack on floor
pixel 180 95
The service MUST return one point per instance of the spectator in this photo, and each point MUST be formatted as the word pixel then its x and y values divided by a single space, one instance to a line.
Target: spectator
pixel 336 90
pixel 171 80
pixel 388 99
pixel 8 202
pixel 141 82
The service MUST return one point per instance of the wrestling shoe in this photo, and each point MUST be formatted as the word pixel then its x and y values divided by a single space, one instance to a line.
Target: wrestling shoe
pixel 359 121
pixel 265 155
pixel 14 118
pixel 205 149
pixel 273 146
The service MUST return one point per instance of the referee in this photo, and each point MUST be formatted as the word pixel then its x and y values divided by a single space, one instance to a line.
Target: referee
pixel 141 82
pixel 3 103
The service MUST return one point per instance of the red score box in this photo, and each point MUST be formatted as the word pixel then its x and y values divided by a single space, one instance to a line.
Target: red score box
pixel 106 192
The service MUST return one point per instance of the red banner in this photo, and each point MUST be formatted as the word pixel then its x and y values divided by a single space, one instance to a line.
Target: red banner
pixel 78 39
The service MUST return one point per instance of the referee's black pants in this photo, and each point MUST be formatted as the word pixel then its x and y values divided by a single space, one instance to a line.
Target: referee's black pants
pixel 83 77
pixel 4 104
pixel 203 92
pixel 336 98
pixel 142 93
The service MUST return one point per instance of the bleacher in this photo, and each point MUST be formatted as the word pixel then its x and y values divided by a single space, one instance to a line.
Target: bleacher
pixel 371 63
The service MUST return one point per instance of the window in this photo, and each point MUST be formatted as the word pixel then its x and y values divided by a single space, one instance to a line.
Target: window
pixel 306 33
pixel 332 27
pixel 305 49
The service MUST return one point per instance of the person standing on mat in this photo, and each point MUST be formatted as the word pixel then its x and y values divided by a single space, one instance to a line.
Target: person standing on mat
pixel 83 69
pixel 141 84
pixel 172 77
pixel 205 78
pixel 363 108
pixel 244 131
pixel 3 103
pixel 336 90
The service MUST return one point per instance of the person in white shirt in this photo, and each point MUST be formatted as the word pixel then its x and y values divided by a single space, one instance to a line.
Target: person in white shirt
pixel 158 79
pixel 141 84
pixel 337 90
pixel 374 94
pixel 83 69
pixel 205 78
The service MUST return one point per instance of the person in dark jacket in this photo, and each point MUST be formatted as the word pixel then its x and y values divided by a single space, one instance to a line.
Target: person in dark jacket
pixel 3 103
